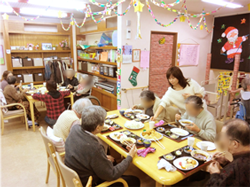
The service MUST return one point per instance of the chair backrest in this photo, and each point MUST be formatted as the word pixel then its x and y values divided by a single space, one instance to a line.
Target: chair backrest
pixel 3 102
pixel 219 125
pixel 70 176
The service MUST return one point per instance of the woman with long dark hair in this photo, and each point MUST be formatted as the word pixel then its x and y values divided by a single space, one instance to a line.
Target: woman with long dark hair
pixel 180 89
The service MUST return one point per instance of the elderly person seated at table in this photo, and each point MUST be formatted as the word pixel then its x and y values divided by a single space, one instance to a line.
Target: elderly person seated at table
pixel 235 138
pixel 203 124
pixel 71 82
pixel 69 118
pixel 12 96
pixel 54 101
pixel 86 156
pixel 150 102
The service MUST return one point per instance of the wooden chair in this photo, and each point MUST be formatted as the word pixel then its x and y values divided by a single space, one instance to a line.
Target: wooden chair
pixel 13 114
pixel 219 125
pixel 50 149
pixel 71 178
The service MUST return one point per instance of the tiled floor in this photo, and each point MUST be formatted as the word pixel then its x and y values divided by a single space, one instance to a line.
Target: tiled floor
pixel 23 158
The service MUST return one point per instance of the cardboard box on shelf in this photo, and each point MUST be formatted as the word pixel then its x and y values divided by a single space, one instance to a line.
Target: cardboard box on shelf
pixel 28 62
pixel 17 62
pixel 28 78
pixel 38 61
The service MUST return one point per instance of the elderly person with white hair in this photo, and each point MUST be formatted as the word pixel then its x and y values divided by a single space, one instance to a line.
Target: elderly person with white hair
pixel 70 118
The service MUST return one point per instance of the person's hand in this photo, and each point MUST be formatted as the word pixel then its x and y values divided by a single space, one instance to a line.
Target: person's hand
pixel 25 90
pixel 177 117
pixel 153 118
pixel 186 95
pixel 132 151
pixel 19 85
pixel 213 167
pixel 193 127
pixel 110 158
pixel 70 86
pixel 220 157
pixel 135 107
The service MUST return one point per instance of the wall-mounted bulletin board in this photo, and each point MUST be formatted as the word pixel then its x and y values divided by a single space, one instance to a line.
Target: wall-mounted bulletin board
pixel 1 55
pixel 188 54
pixel 224 82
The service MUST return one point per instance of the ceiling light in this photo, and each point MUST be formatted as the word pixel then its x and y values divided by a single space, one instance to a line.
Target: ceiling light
pixel 73 4
pixel 5 9
pixel 223 3
pixel 43 12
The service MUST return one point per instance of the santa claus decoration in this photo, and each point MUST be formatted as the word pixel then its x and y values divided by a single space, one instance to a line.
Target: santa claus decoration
pixel 233 45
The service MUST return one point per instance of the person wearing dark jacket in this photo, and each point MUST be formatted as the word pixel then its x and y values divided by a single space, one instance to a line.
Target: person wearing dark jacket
pixel 85 155
pixel 71 82
pixel 234 137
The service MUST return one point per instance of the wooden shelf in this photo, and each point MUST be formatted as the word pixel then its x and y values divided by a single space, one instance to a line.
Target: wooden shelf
pixel 104 92
pixel 99 75
pixel 41 51
pixel 28 67
pixel 97 61
pixel 96 47
pixel 37 82
pixel 97 31
pixel 39 33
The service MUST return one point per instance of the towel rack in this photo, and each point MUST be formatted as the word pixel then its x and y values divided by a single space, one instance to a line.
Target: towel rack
pixel 126 89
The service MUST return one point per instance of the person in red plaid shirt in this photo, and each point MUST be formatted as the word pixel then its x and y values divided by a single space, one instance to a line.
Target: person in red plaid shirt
pixel 54 101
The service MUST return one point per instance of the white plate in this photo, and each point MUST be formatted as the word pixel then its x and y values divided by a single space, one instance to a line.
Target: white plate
pixel 182 120
pixel 183 161
pixel 179 132
pixel 211 145
pixel 112 135
pixel 133 125
pixel 106 126
pixel 137 111
pixel 152 139
pixel 142 116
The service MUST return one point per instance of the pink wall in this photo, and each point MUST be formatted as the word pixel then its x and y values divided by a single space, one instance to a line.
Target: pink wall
pixel 185 35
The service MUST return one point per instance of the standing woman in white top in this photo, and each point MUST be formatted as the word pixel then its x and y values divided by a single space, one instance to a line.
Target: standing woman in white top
pixel 180 89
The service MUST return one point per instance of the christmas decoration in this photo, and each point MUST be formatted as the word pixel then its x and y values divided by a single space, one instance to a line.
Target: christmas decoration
pixel 133 76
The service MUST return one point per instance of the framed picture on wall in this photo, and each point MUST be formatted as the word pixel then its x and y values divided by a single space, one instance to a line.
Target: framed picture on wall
pixel 1 55
pixel 136 55
pixel 46 46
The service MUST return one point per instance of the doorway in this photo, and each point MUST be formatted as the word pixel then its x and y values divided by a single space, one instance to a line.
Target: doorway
pixel 162 57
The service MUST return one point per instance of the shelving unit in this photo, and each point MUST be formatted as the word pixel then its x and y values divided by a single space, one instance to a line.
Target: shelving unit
pixel 41 51
pixel 108 100
pixel 28 67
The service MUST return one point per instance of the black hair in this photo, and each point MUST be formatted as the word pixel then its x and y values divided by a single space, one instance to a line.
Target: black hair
pixel 197 101
pixel 238 130
pixel 11 80
pixel 147 95
pixel 51 86
pixel 177 73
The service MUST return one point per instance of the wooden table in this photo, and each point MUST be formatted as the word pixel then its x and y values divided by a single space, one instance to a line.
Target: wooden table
pixel 32 101
pixel 149 164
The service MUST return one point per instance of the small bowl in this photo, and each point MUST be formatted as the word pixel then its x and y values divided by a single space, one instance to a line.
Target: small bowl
pixel 132 117
pixel 127 115
pixel 188 149
pixel 146 143
pixel 160 129
pixel 169 156
pixel 139 141
pixel 138 120
pixel 203 153
pixel 107 121
pixel 174 136
pixel 178 152
pixel 168 133
pixel 116 126
pixel 127 132
pixel 133 136
pixel 122 112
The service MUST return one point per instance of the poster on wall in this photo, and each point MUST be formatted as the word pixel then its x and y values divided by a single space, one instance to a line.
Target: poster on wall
pixel 1 55
pixel 127 54
pixel 144 59
pixel 231 37
pixel 224 82
pixel 189 54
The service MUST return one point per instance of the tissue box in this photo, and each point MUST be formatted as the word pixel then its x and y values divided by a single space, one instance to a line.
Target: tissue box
pixel 38 61
pixel 28 62
pixel 28 78
pixel 17 62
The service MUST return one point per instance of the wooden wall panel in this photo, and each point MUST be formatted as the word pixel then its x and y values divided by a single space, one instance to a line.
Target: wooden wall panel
pixel 113 104
pixel 106 102
pixel 16 26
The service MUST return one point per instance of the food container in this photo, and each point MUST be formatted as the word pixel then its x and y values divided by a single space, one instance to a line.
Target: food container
pixel 106 70
pixel 200 155
pixel 28 78
pixel 38 77
pixel 146 143
pixel 28 62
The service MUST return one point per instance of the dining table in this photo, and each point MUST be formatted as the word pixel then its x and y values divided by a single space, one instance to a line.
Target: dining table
pixel 32 101
pixel 148 164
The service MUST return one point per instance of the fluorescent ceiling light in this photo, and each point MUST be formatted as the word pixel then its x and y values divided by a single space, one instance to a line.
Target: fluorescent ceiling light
pixel 66 4
pixel 5 9
pixel 223 3
pixel 40 11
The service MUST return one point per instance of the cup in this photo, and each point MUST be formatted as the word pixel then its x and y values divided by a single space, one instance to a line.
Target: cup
pixel 43 91
pixel 191 141
pixel 151 124
pixel 44 84
pixel 31 85
pixel 204 146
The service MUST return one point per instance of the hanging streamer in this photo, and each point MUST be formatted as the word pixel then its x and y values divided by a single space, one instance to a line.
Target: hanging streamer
pixel 127 9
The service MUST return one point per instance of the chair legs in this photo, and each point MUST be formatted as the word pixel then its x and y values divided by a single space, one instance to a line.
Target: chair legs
pixel 2 124
pixel 25 120
pixel 48 170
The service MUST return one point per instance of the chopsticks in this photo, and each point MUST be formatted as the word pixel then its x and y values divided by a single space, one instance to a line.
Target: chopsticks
pixel 128 144
pixel 159 143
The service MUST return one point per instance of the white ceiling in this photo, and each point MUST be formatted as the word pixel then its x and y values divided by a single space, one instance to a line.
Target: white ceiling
pixel 194 6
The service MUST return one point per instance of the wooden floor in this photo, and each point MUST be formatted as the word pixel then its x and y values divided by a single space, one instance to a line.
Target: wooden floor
pixel 23 158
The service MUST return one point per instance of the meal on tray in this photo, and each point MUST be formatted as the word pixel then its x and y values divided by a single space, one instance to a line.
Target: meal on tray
pixel 200 155
pixel 151 134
